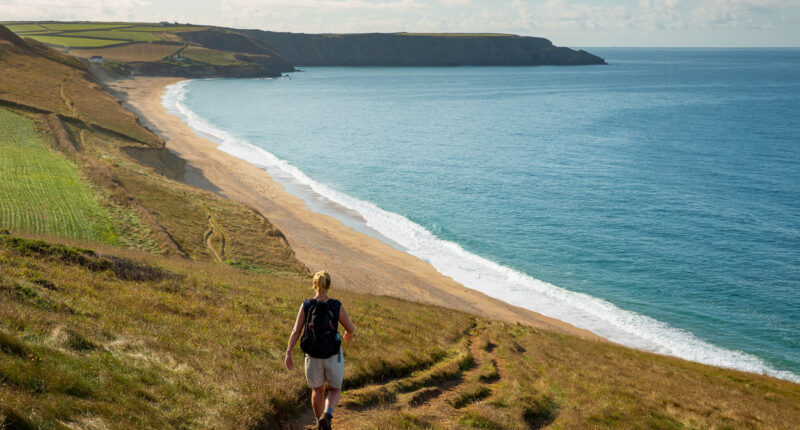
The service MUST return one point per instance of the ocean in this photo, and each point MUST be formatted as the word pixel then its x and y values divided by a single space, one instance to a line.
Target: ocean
pixel 654 201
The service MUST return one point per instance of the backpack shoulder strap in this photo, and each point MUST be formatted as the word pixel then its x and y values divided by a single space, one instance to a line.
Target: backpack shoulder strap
pixel 307 304
pixel 335 306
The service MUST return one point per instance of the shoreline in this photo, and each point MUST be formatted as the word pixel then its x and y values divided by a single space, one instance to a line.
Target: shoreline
pixel 357 261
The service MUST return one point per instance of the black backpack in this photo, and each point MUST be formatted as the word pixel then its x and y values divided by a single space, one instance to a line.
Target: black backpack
pixel 321 332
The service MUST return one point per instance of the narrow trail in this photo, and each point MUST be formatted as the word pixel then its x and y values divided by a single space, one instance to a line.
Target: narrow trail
pixel 441 390
pixel 67 101
pixel 209 235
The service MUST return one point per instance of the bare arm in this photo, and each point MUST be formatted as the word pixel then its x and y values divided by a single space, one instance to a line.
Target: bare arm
pixel 345 321
pixel 296 332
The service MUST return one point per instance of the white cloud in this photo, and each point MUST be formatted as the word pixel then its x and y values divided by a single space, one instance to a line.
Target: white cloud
pixel 453 3
pixel 737 13
pixel 73 10
pixel 326 5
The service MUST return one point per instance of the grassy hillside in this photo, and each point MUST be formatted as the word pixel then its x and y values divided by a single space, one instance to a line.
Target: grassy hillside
pixel 80 34
pixel 134 341
pixel 149 48
pixel 41 191
pixel 38 78
pixel 131 340
pixel 122 163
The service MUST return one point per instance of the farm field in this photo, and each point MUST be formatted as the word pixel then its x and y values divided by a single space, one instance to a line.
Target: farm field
pixel 17 28
pixel 167 28
pixel 40 191
pixel 210 56
pixel 94 35
pixel 130 52
pixel 121 44
pixel 74 42
pixel 83 26
pixel 135 36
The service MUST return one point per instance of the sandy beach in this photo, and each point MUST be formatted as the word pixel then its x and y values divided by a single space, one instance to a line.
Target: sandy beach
pixel 356 261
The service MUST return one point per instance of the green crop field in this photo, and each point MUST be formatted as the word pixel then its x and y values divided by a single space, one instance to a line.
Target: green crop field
pixel 133 36
pixel 40 191
pixel 17 28
pixel 165 28
pixel 75 42
pixel 30 33
pixel 84 26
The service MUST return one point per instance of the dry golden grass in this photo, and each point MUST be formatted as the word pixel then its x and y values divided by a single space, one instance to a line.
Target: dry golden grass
pixel 211 56
pixel 134 52
pixel 523 378
pixel 58 84
pixel 143 341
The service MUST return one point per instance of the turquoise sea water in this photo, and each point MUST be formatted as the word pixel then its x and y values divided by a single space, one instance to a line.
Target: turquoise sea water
pixel 655 201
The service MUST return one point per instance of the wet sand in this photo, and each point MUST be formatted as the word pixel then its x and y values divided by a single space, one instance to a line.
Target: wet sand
pixel 357 262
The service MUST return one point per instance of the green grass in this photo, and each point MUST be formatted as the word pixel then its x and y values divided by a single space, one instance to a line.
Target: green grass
pixel 17 28
pixel 30 33
pixel 166 28
pixel 84 26
pixel 133 36
pixel 42 192
pixel 210 56
pixel 75 42
pixel 458 34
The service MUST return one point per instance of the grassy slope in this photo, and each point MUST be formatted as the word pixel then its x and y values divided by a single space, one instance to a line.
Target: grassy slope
pixel 63 87
pixel 75 41
pixel 113 41
pixel 147 341
pixel 210 56
pixel 187 345
pixel 130 52
pixel 143 340
pixel 150 211
pixel 130 36
pixel 41 191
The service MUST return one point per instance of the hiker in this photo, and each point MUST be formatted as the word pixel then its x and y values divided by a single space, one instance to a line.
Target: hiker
pixel 318 320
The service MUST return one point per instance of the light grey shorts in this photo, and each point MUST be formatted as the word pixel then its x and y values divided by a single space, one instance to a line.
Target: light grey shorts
pixel 319 370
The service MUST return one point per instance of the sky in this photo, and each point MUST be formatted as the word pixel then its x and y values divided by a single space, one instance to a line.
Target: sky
pixel 573 23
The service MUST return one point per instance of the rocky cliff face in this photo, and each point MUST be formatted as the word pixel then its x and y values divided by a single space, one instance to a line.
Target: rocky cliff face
pixel 382 49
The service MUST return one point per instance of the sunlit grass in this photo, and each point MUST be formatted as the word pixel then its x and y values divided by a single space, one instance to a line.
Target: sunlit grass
pixel 41 191
pixel 133 36
pixel 74 42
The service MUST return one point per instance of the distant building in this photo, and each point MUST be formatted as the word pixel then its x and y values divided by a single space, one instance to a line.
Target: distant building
pixel 96 59
pixel 163 23
pixel 179 58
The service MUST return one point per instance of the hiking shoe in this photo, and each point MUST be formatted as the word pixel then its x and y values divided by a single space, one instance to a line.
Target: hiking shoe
pixel 325 421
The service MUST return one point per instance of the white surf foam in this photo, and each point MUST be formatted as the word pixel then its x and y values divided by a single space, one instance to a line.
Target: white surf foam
pixel 509 285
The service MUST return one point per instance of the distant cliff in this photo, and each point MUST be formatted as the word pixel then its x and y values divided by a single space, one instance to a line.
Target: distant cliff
pixel 404 49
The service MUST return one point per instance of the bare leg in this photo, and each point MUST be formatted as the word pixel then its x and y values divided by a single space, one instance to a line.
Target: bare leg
pixel 318 400
pixel 332 398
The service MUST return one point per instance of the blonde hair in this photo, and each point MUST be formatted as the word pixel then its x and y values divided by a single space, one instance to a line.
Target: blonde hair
pixel 322 281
